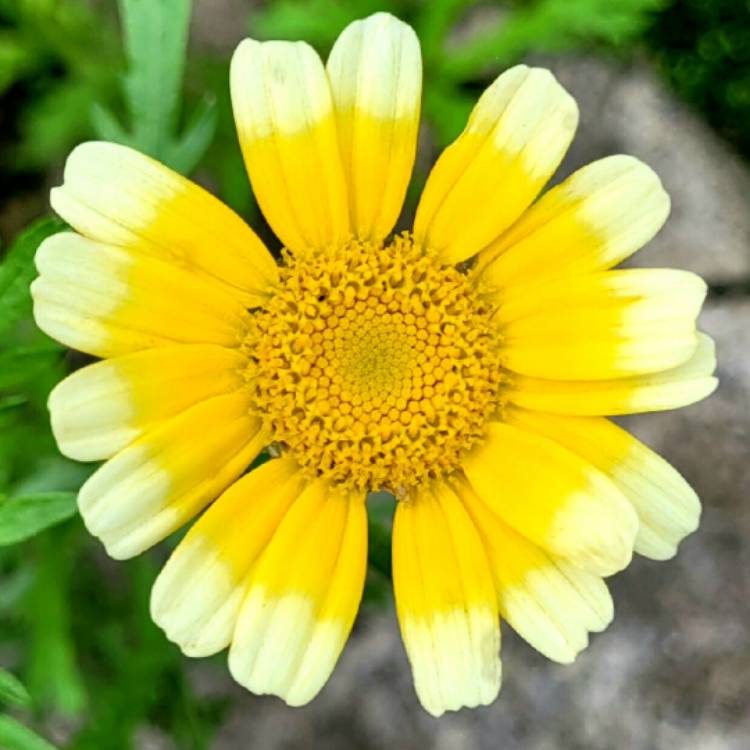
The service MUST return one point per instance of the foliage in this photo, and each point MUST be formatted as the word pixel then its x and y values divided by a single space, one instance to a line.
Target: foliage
pixel 25 516
pixel 152 86
pixel 704 48
pixel 75 626
pixel 12 690
pixel 15 736
pixel 57 57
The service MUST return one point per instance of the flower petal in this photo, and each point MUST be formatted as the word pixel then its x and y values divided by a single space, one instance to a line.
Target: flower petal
pixel 114 194
pixel 668 509
pixel 447 606
pixel 375 70
pixel 102 408
pixel 302 596
pixel 107 300
pixel 287 129
pixel 549 602
pixel 164 478
pixel 668 389
pixel 553 498
pixel 602 325
pixel 515 139
pixel 596 218
pixel 197 596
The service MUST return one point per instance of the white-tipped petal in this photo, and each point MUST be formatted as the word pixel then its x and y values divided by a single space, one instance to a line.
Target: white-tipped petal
pixel 516 137
pixel 287 130
pixel 375 70
pixel 596 218
pixel 447 606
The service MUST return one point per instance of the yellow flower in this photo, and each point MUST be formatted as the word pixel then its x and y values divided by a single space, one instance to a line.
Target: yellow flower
pixel 467 366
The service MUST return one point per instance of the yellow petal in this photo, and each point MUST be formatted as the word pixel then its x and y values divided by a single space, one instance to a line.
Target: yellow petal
pixel 375 70
pixel 447 606
pixel 197 596
pixel 515 139
pixel 668 389
pixel 553 498
pixel 667 507
pixel 114 194
pixel 107 300
pixel 287 130
pixel 302 596
pixel 102 408
pixel 550 603
pixel 164 478
pixel 601 325
pixel 597 217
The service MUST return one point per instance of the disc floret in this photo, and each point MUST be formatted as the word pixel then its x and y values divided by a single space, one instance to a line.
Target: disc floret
pixel 374 366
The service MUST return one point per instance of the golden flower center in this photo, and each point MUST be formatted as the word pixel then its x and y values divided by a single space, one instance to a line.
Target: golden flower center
pixel 375 366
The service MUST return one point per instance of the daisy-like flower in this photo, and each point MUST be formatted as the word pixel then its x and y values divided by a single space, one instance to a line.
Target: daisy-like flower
pixel 467 366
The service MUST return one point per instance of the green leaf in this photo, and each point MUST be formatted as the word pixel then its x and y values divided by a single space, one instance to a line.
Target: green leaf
pixel 52 671
pixel 7 403
pixel 107 126
pixel 20 364
pixel 17 271
pixel 12 690
pixel 15 736
pixel 155 37
pixel 184 154
pixel 156 33
pixel 548 26
pixel 24 517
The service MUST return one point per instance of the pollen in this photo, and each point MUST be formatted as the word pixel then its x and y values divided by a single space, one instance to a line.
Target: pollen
pixel 374 366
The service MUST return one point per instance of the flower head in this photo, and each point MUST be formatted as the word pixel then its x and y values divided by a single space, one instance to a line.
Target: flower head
pixel 467 365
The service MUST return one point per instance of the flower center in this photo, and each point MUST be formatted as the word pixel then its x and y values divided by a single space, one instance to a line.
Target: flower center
pixel 375 366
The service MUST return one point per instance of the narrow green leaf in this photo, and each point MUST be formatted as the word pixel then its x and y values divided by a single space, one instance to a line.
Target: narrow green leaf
pixel 155 37
pixel 156 33
pixel 184 154
pixel 17 271
pixel 24 517
pixel 53 674
pixel 106 126
pixel 7 403
pixel 15 736
pixel 12 690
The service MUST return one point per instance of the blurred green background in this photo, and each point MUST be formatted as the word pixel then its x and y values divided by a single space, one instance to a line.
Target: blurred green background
pixel 82 665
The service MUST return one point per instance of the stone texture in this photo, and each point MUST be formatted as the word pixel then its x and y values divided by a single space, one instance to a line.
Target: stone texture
pixel 629 109
pixel 218 26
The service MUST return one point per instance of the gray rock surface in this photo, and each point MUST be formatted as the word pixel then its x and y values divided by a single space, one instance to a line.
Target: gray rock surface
pixel 219 25
pixel 629 109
